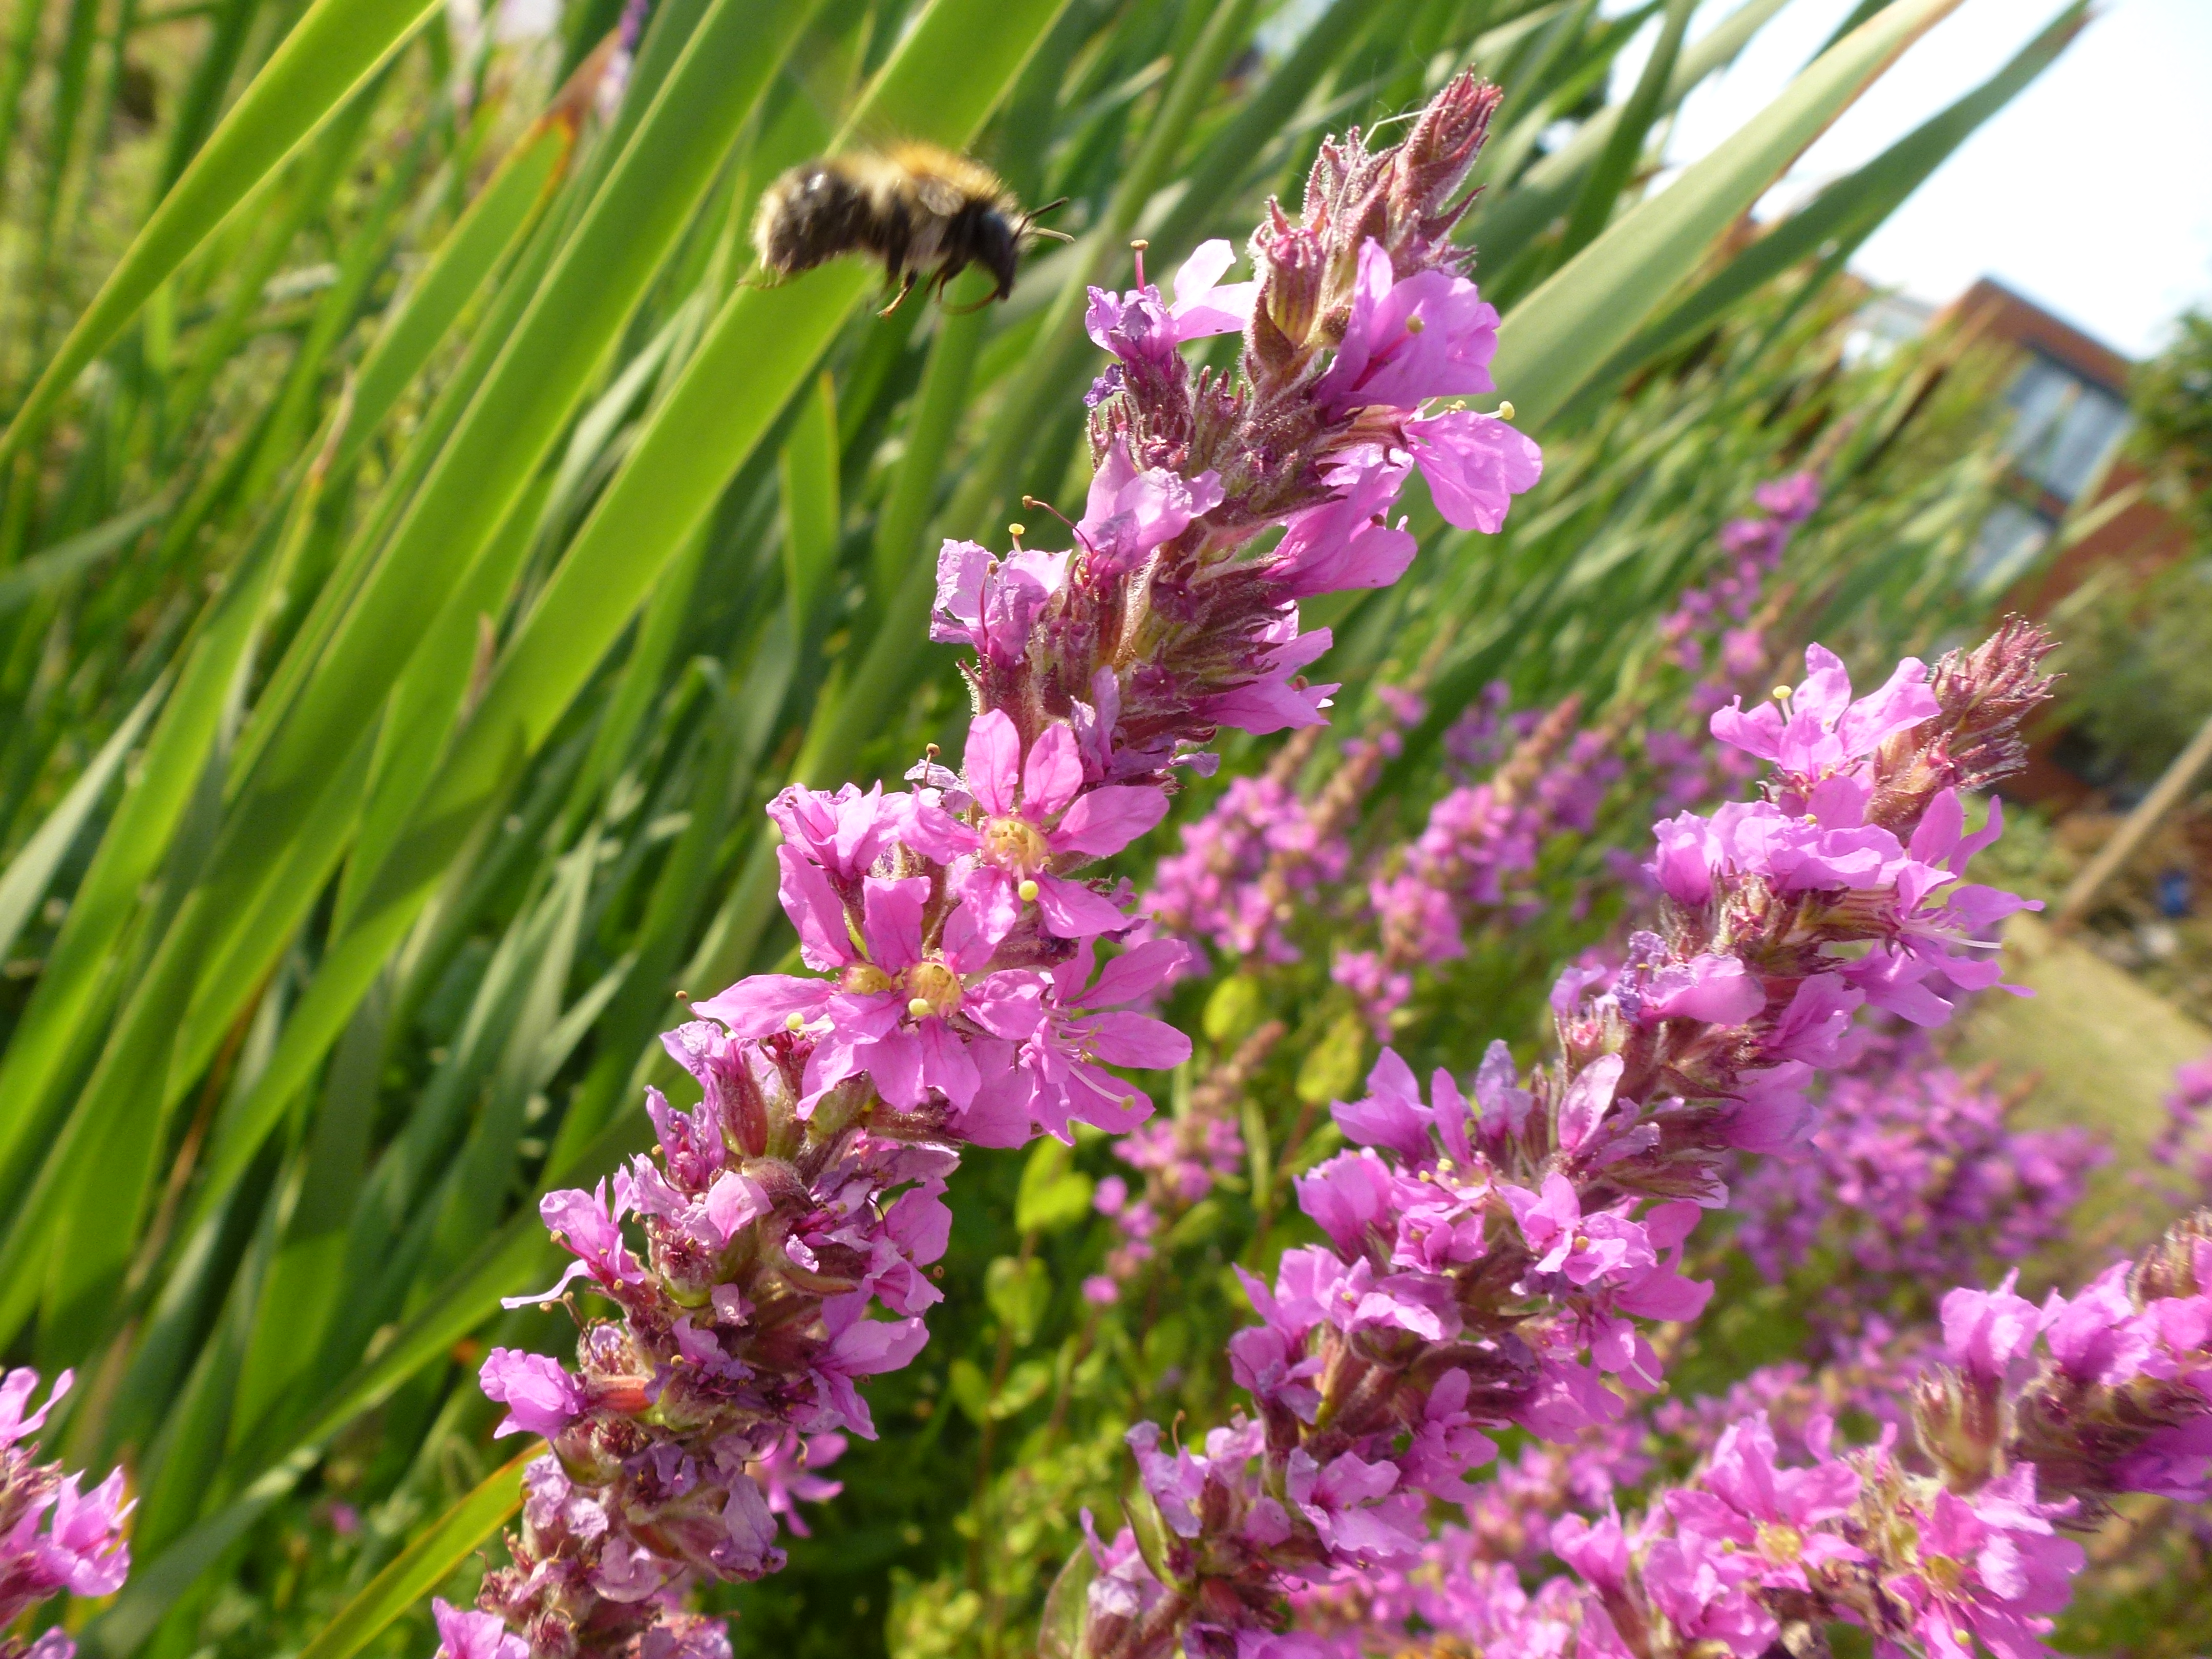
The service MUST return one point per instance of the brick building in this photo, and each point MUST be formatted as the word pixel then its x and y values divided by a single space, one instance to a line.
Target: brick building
pixel 2069 403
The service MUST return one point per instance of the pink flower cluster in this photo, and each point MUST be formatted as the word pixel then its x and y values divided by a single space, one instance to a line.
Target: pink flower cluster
pixel 1245 869
pixel 54 1535
pixel 2040 1417
pixel 1427 895
pixel 1717 633
pixel 1716 621
pixel 1915 1179
pixel 1489 1261
pixel 1270 855
pixel 1858 847
pixel 967 982
pixel 2179 1160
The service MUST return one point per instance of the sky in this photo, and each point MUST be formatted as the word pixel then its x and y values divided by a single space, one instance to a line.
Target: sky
pixel 2090 192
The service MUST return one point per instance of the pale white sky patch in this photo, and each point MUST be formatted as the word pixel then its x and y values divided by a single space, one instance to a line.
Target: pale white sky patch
pixel 2090 192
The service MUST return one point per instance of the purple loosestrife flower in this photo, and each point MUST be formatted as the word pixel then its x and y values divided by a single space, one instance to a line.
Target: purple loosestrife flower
pixel 1915 1179
pixel 1489 1261
pixel 1956 1541
pixel 2180 1150
pixel 966 982
pixel 1183 1157
pixel 54 1535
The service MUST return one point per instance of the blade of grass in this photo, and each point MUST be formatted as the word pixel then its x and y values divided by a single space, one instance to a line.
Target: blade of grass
pixel 31 872
pixel 283 837
pixel 1624 146
pixel 807 466
pixel 426 1563
pixel 49 567
pixel 335 48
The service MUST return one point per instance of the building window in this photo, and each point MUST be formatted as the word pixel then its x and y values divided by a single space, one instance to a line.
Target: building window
pixel 2063 426
pixel 2006 546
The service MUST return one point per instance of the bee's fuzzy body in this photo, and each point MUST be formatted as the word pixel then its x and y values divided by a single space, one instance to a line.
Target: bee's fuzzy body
pixel 925 213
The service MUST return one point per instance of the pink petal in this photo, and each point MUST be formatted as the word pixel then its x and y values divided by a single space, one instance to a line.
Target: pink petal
pixel 1054 774
pixel 1208 264
pixel 993 761
pixel 1071 910
pixel 1107 820
pixel 1137 1040
pixel 761 1005
pixel 891 921
pixel 815 910
pixel 895 1062
pixel 986 913
pixel 1475 464
pixel 945 1066
pixel 1136 973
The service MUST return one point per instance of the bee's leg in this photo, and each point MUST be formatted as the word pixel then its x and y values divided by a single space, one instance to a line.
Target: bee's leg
pixel 944 280
pixel 899 298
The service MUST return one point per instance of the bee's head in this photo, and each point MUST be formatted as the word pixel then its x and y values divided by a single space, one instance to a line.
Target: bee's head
pixel 997 248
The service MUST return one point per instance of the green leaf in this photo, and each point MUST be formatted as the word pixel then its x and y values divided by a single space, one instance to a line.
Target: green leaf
pixel 31 872
pixel 1332 1065
pixel 1018 1291
pixel 1234 1009
pixel 807 467
pixel 1567 328
pixel 1067 1608
pixel 336 47
pixel 50 566
pixel 1504 224
pixel 970 1389
pixel 496 221
pixel 426 1563
pixel 1624 146
pixel 1052 1194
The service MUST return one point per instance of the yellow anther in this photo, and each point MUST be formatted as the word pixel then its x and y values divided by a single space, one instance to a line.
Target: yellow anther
pixel 794 1021
pixel 919 1008
pixel 1140 244
pixel 1029 891
pixel 1414 325
pixel 1018 529
pixel 1781 694
pixel 1505 411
